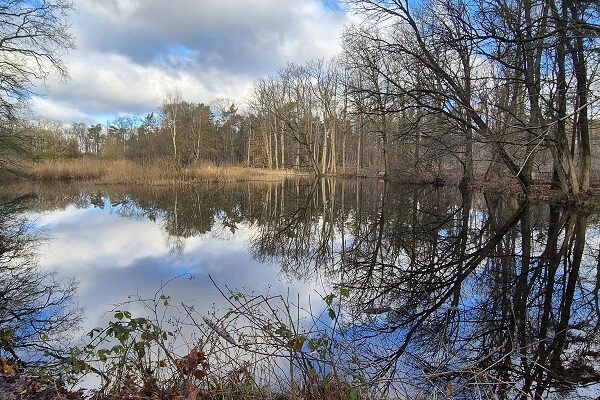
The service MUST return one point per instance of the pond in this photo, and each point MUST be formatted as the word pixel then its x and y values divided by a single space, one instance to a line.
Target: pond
pixel 438 290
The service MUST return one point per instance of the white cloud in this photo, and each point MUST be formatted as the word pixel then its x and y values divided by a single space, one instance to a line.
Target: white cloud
pixel 57 111
pixel 113 257
pixel 131 52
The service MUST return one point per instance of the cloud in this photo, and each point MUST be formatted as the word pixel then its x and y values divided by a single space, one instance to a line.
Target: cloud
pixel 57 110
pixel 113 257
pixel 131 52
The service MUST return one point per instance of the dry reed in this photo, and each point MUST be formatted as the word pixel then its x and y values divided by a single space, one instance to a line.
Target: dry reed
pixel 157 173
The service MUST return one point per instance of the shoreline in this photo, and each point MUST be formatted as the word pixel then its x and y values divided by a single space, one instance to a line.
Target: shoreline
pixel 154 173
pixel 161 173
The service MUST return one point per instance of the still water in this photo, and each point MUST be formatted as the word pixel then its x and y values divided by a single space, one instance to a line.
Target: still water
pixel 444 285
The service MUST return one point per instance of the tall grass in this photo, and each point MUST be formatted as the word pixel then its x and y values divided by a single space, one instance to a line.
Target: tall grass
pixel 156 173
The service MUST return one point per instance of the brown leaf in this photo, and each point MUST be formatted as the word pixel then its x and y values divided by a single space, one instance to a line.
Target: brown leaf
pixel 190 363
pixel 192 391
pixel 199 374
pixel 150 386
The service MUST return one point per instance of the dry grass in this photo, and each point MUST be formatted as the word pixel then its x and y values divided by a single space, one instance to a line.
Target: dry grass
pixel 159 173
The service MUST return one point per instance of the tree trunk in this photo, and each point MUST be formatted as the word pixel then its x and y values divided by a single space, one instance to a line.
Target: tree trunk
pixel 324 152
pixel 580 67
pixel 359 149
pixel 282 148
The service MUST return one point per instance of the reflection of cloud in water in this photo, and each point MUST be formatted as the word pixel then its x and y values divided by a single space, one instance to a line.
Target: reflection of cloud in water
pixel 113 257
pixel 454 268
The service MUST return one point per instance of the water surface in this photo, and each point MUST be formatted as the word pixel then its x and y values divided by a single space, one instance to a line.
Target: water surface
pixel 450 290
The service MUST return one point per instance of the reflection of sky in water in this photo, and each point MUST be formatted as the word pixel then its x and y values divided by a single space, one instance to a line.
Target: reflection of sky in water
pixel 118 250
pixel 113 257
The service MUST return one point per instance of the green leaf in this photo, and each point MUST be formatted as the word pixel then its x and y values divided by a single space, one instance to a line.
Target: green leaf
pixel 331 313
pixel 102 355
pixel 344 292
pixel 147 337
pixel 140 349
pixel 117 349
pixel 165 299
pixel 283 331
pixel 7 334
pixel 329 299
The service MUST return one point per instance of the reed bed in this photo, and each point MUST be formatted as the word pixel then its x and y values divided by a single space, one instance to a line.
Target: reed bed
pixel 156 173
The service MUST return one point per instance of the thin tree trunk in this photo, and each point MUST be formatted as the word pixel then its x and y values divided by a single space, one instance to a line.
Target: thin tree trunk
pixel 359 144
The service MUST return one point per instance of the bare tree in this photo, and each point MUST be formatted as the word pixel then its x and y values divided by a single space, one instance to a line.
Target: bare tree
pixel 33 38
pixel 490 69
pixel 37 313
pixel 171 110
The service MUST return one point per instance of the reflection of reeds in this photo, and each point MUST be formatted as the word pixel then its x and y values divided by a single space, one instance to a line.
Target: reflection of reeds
pixel 156 173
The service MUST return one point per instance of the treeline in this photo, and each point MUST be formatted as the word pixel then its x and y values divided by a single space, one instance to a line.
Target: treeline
pixel 442 89
pixel 182 132
pixel 299 118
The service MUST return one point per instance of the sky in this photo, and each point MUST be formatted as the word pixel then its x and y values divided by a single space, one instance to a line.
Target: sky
pixel 112 257
pixel 130 53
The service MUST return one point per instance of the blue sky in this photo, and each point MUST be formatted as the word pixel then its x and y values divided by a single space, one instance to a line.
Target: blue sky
pixel 113 257
pixel 131 52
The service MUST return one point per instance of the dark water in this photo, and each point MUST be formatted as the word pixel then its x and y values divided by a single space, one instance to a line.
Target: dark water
pixel 463 294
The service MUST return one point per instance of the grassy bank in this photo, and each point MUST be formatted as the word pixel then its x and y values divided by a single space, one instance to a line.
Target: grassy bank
pixel 159 173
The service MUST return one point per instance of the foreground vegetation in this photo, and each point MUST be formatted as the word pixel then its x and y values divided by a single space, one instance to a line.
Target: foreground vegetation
pixel 176 353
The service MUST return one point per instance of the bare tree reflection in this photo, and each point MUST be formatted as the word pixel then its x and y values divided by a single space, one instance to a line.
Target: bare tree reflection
pixel 37 314
pixel 452 291
pixel 447 292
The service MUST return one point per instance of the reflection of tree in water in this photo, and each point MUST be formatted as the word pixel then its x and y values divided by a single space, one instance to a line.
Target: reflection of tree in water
pixel 36 311
pixel 455 287
pixel 460 288
pixel 183 212
pixel 192 211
